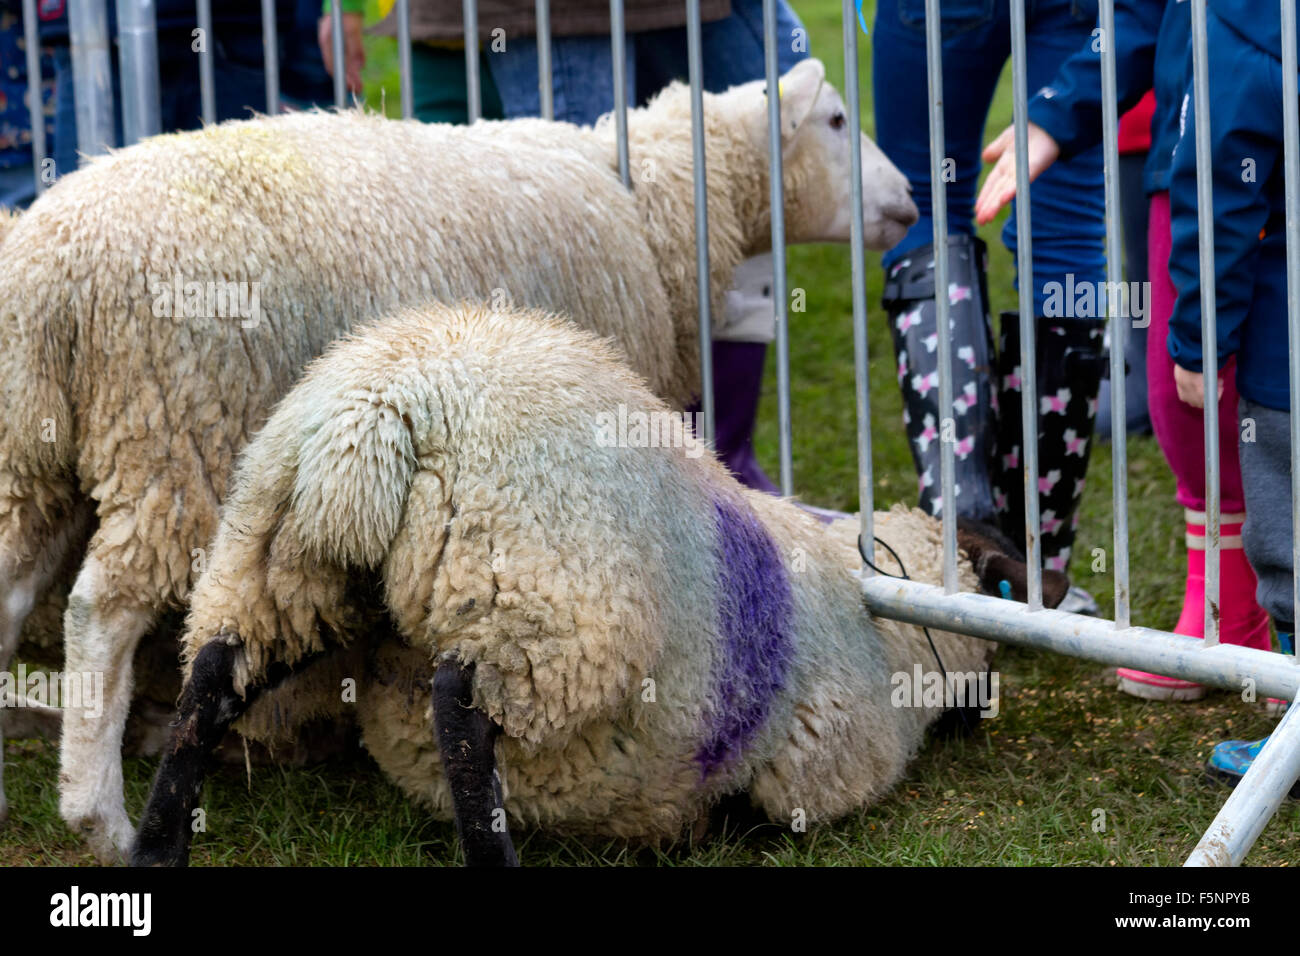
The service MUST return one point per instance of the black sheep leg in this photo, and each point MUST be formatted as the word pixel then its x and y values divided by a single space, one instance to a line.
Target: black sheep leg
pixel 208 706
pixel 466 738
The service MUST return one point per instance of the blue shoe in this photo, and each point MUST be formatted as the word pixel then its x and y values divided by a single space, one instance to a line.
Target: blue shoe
pixel 1230 760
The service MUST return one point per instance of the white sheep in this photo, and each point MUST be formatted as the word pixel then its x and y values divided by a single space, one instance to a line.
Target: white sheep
pixel 632 631
pixel 155 304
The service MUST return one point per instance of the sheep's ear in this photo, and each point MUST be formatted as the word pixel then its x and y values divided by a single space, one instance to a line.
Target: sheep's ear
pixel 799 90
pixel 1000 566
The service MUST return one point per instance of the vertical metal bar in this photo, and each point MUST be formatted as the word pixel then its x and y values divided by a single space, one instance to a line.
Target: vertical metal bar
pixel 271 57
pixel 1025 273
pixel 1291 165
pixel 1257 796
pixel 207 85
pixel 92 75
pixel 35 104
pixel 618 53
pixel 472 94
pixel 695 68
pixel 1117 307
pixel 340 68
pixel 1209 323
pixel 137 53
pixel 404 58
pixel 545 81
pixel 780 295
pixel 939 209
pixel 857 256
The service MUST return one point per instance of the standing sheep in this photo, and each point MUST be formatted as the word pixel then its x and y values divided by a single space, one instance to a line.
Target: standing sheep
pixel 155 304
pixel 634 633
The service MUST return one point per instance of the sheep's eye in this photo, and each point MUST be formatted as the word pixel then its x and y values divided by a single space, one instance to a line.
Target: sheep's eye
pixel 837 121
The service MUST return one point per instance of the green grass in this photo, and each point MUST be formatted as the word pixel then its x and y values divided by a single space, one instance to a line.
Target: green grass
pixel 1023 790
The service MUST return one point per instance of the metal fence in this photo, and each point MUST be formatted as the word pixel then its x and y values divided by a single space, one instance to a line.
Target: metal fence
pixel 1116 642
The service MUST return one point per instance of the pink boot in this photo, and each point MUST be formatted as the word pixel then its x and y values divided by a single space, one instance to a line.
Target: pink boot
pixel 1241 620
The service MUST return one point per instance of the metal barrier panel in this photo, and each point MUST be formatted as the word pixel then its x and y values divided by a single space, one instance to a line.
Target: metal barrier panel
pixel 270 57
pixel 1119 315
pixel 696 71
pixel 545 82
pixel 471 61
pixel 1248 809
pixel 207 85
pixel 404 58
pixel 1291 171
pixel 939 207
pixel 1025 272
pixel 137 47
pixel 618 57
pixel 35 104
pixel 92 75
pixel 336 41
pixel 1272 773
pixel 1260 794
pixel 858 260
pixel 780 295
pixel 1209 324
pixel 1265 784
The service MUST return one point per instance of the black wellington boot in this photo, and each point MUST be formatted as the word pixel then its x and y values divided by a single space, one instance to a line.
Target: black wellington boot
pixel 972 421
pixel 1070 362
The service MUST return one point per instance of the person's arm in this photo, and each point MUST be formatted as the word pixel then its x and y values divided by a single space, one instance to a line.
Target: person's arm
pixel 1069 108
pixel 1243 152
pixel 354 53
pixel 1065 115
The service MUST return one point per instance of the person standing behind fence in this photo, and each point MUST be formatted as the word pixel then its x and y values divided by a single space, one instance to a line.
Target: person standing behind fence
pixel 17 174
pixel 1134 147
pixel 1068 229
pixel 1250 283
pixel 1153 47
pixel 236 47
pixel 582 68
pixel 440 93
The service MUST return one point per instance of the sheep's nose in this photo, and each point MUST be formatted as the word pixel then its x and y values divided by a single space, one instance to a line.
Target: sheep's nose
pixel 902 210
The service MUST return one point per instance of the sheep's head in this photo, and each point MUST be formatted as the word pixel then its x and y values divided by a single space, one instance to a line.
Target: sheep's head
pixel 997 561
pixel 815 149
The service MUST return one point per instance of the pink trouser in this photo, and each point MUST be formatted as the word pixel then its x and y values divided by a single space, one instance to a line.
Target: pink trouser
pixel 1180 428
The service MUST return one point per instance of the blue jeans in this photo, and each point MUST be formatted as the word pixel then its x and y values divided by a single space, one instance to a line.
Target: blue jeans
pixel 17 186
pixel 583 66
pixel 237 70
pixel 1067 203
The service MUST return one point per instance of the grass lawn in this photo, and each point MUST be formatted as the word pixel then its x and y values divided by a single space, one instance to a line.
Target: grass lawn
pixel 1026 788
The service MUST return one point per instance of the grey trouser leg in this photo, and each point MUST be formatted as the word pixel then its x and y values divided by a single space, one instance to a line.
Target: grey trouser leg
pixel 1266 481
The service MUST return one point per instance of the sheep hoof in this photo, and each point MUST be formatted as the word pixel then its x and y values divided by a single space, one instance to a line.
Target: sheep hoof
pixel 466 740
pixel 109 839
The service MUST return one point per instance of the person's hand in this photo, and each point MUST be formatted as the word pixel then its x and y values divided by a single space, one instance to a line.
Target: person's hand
pixel 1000 186
pixel 354 54
pixel 1191 386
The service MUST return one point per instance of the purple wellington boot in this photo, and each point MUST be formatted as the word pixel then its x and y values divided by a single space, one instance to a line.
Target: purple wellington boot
pixel 737 380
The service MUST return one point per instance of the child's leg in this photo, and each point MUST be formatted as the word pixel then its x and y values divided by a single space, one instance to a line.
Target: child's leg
pixel 975 47
pixel 1068 218
pixel 1180 428
pixel 1266 474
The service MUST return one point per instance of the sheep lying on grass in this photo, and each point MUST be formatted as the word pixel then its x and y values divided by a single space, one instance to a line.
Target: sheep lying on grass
pixel 155 304
pixel 634 633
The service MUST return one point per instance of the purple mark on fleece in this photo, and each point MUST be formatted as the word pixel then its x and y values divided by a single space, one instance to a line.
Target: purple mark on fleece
pixel 754 615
